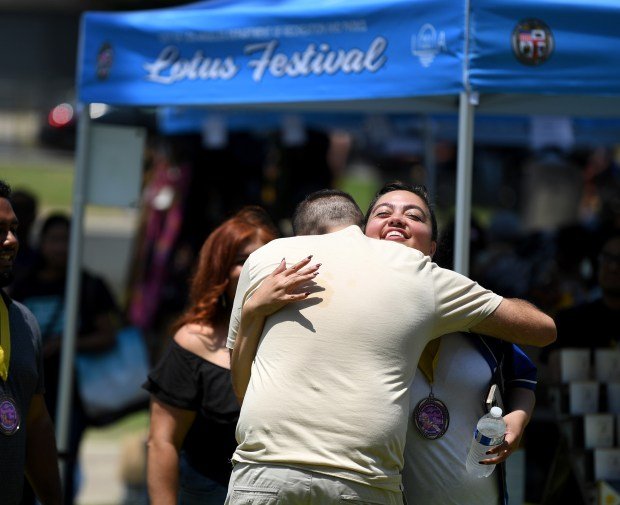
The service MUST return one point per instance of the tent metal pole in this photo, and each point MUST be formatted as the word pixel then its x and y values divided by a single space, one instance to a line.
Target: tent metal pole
pixel 72 289
pixel 429 157
pixel 462 214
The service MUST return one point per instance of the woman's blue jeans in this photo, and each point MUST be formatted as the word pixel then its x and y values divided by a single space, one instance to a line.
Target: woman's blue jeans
pixel 196 489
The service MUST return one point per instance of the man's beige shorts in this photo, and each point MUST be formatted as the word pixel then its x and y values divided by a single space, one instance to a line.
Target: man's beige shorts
pixel 277 484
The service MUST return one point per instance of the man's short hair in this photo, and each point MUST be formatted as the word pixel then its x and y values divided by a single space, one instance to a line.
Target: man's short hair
pixel 325 209
pixel 5 190
pixel 417 189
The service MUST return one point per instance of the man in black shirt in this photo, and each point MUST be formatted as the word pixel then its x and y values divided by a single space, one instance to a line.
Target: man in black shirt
pixel 27 444
pixel 595 324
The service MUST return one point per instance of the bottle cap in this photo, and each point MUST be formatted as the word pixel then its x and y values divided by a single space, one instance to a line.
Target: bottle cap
pixel 496 412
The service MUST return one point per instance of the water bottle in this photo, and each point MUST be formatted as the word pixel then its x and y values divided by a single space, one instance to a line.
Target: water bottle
pixel 489 432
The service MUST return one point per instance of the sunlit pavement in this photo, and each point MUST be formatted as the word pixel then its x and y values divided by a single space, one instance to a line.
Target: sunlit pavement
pixel 101 464
pixel 113 464
pixel 100 467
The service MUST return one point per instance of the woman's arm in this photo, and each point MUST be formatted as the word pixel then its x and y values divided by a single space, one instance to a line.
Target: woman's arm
pixel 277 290
pixel 520 403
pixel 168 427
pixel 246 345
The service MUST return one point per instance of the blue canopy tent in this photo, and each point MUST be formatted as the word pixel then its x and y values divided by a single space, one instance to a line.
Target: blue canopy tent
pixel 499 57
pixel 495 56
pixel 329 55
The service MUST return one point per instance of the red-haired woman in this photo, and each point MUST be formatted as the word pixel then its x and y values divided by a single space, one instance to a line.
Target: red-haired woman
pixel 193 408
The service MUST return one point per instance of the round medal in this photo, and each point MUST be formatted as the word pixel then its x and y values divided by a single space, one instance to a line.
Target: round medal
pixel 9 416
pixel 431 417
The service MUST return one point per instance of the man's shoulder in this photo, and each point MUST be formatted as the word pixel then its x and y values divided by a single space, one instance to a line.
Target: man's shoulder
pixel 347 241
pixel 19 310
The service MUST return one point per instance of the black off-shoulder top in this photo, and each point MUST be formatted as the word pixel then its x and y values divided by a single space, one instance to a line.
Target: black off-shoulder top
pixel 184 380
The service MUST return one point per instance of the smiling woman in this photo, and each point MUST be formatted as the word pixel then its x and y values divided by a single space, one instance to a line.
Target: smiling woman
pixel 402 213
pixel 454 376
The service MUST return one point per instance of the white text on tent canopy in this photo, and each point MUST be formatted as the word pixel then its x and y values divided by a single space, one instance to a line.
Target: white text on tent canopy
pixel 315 59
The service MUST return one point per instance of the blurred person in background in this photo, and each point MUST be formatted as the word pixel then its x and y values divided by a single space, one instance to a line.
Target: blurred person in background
pixel 27 443
pixel 194 411
pixel 160 261
pixel 575 253
pixel 591 324
pixel 599 203
pixel 26 207
pixel 501 265
pixel 594 323
pixel 42 290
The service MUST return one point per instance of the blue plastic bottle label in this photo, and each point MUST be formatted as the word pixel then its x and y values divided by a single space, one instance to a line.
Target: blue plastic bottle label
pixel 479 437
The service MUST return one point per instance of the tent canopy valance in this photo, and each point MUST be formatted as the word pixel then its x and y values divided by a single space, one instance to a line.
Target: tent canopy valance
pixel 526 57
pixel 233 53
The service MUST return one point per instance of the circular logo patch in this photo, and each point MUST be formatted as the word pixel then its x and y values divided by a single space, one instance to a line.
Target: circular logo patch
pixel 9 416
pixel 105 59
pixel 431 418
pixel 532 42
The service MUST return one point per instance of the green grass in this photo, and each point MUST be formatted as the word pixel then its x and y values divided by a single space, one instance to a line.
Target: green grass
pixel 51 183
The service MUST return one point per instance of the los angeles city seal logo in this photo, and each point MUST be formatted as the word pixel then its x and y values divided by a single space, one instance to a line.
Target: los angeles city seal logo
pixel 9 416
pixel 105 58
pixel 532 42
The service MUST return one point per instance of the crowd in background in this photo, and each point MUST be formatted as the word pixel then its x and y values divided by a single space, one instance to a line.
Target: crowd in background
pixel 536 229
pixel 539 240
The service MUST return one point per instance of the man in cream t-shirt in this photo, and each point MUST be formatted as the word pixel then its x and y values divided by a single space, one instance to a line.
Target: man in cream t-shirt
pixel 325 413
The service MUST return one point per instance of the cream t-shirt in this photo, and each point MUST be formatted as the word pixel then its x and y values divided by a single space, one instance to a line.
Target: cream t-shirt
pixel 328 391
